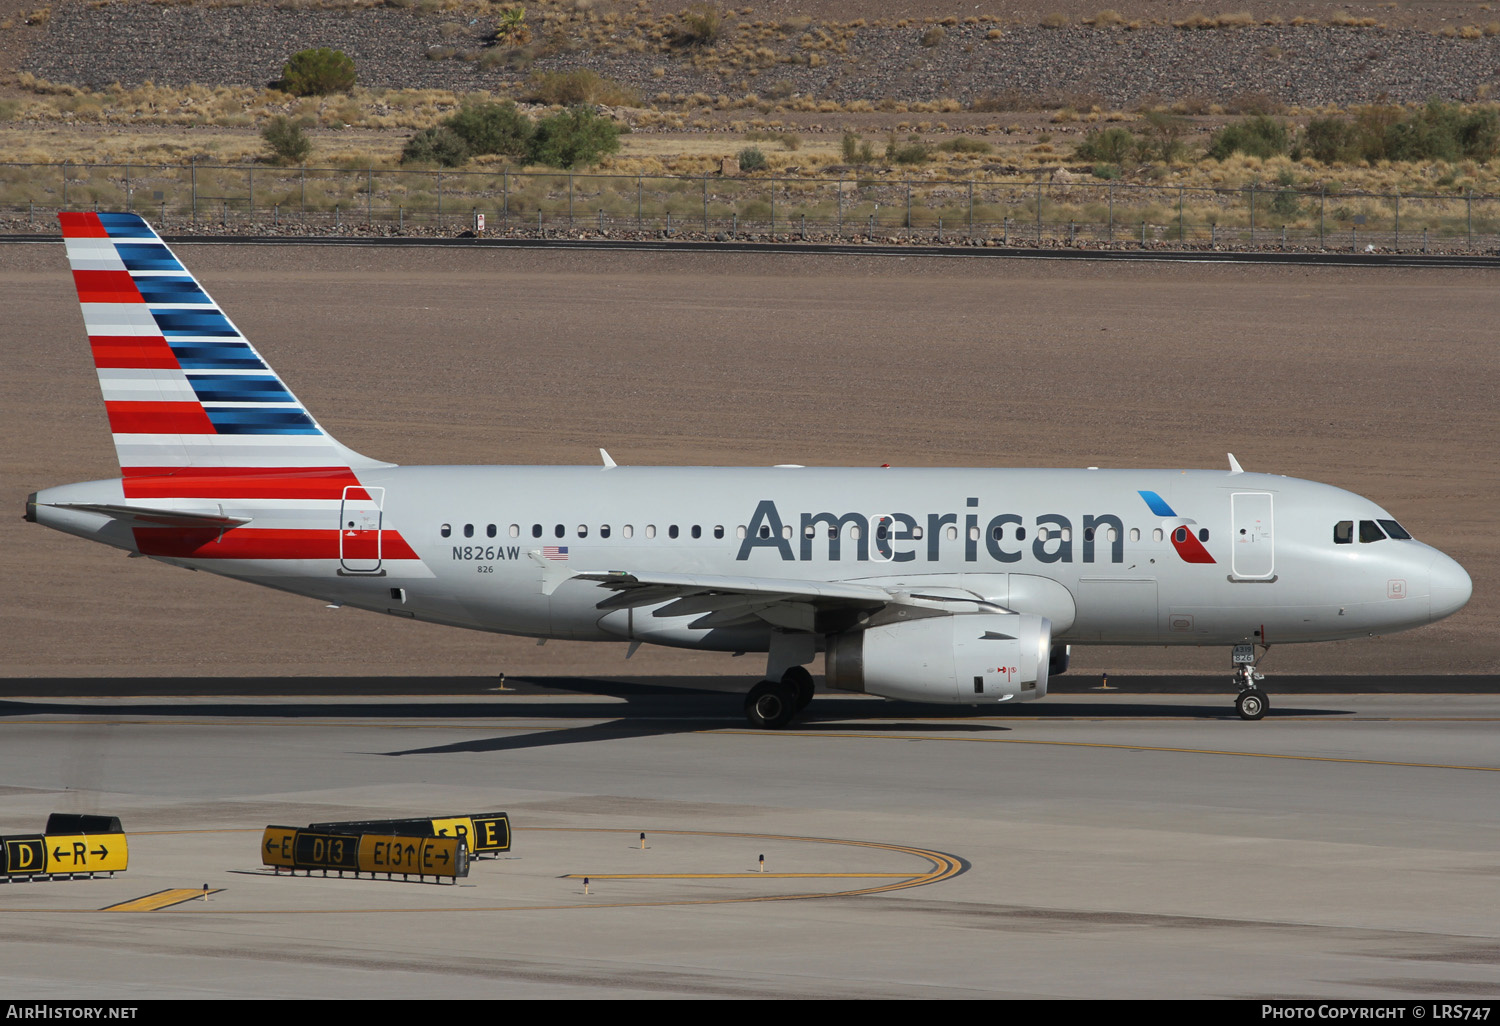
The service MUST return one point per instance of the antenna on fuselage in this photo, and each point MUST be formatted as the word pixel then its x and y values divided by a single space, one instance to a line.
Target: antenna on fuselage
pixel 1234 465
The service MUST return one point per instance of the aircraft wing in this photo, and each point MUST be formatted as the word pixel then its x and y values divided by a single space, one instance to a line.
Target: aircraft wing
pixel 723 601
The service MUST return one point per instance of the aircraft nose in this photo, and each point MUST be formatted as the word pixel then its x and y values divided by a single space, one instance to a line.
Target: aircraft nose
pixel 1450 586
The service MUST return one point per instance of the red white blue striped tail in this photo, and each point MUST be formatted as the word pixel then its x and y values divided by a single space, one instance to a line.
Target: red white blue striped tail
pixel 188 397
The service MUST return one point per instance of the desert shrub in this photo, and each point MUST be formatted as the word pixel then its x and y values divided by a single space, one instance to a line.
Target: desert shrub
pixel 492 128
pixel 1112 145
pixel 570 88
pixel 856 149
pixel 9 109
pixel 1327 140
pixel 288 142
pixel 913 151
pixel 752 159
pixel 577 137
pixel 317 73
pixel 1257 136
pixel 933 36
pixel 700 24
pixel 437 145
pixel 1161 136
pixel 963 144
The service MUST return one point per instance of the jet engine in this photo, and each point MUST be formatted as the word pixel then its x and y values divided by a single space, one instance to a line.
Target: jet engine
pixel 967 659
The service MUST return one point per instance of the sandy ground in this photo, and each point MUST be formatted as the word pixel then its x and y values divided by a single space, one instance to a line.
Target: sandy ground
pixel 1380 381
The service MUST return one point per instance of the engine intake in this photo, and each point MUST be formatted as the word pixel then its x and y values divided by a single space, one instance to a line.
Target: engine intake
pixel 967 659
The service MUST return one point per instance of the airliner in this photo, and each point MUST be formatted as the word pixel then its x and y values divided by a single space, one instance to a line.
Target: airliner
pixel 931 585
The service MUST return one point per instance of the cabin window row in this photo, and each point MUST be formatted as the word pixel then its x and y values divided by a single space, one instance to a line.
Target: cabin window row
pixel 882 531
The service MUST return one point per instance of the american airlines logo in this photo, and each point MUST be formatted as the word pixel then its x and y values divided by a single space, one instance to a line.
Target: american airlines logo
pixel 904 537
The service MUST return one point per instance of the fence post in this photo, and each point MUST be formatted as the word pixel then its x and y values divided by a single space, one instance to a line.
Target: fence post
pixel 908 210
pixel 369 195
pixel 1039 209
pixel 65 184
pixel 971 208
pixel 570 200
pixel 1181 225
pixel 1143 233
pixel 1111 211
pixel 275 215
pixel 194 164
pixel 128 206
pixel 1469 204
pixel 637 202
pixel 773 210
pixel 1322 207
pixel 250 175
pixel 1005 235
pixel 1354 238
pixel 1252 214
pixel 839 188
pixel 440 198
pixel 401 218
pixel 705 203
pixel 940 229
pixel 302 209
pixel 1398 220
pixel 504 200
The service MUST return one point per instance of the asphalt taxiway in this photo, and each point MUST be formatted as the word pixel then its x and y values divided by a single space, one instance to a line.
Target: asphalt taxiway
pixel 1090 845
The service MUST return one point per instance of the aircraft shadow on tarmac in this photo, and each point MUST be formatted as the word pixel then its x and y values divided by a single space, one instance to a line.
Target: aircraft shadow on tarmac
pixel 632 709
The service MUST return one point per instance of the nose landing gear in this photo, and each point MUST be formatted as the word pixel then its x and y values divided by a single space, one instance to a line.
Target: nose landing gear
pixel 1251 702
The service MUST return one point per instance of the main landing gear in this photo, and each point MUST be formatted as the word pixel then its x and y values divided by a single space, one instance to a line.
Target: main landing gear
pixel 772 704
pixel 1251 702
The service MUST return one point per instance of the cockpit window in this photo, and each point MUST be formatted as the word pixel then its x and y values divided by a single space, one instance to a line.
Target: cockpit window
pixel 1343 532
pixel 1369 531
pixel 1395 530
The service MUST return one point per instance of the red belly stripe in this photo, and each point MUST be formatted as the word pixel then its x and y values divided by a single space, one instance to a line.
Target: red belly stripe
pixel 250 543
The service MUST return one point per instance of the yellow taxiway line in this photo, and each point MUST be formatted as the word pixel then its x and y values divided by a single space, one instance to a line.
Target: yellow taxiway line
pixel 161 899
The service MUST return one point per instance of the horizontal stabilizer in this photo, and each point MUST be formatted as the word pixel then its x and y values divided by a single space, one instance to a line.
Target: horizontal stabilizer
pixel 145 517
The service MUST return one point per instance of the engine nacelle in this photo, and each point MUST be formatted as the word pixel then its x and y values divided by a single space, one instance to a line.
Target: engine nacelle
pixel 965 659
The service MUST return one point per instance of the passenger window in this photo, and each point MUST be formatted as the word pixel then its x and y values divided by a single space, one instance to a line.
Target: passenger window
pixel 1395 530
pixel 559 530
pixel 515 530
pixel 650 530
pixel 490 531
pixel 718 530
pixel 1180 535
pixel 445 530
pixel 697 531
pixel 1111 535
pixel 1020 534
pixel 786 531
pixel 973 534
pixel 583 530
pixel 739 532
pixel 536 530
pixel 672 531
pixel 1088 534
pixel 1369 531
pixel 952 533
pixel 468 530
pixel 1042 534
pixel 1156 535
pixel 628 530
pixel 1203 534
pixel 604 530
pixel 1135 534
pixel 999 532
pixel 809 531
pixel 1343 532
pixel 916 534
pixel 1067 534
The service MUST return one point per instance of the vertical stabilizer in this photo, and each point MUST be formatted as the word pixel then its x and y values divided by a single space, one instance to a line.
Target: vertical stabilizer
pixel 188 397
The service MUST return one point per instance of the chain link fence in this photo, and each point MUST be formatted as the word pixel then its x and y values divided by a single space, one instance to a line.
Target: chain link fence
pixel 1056 209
